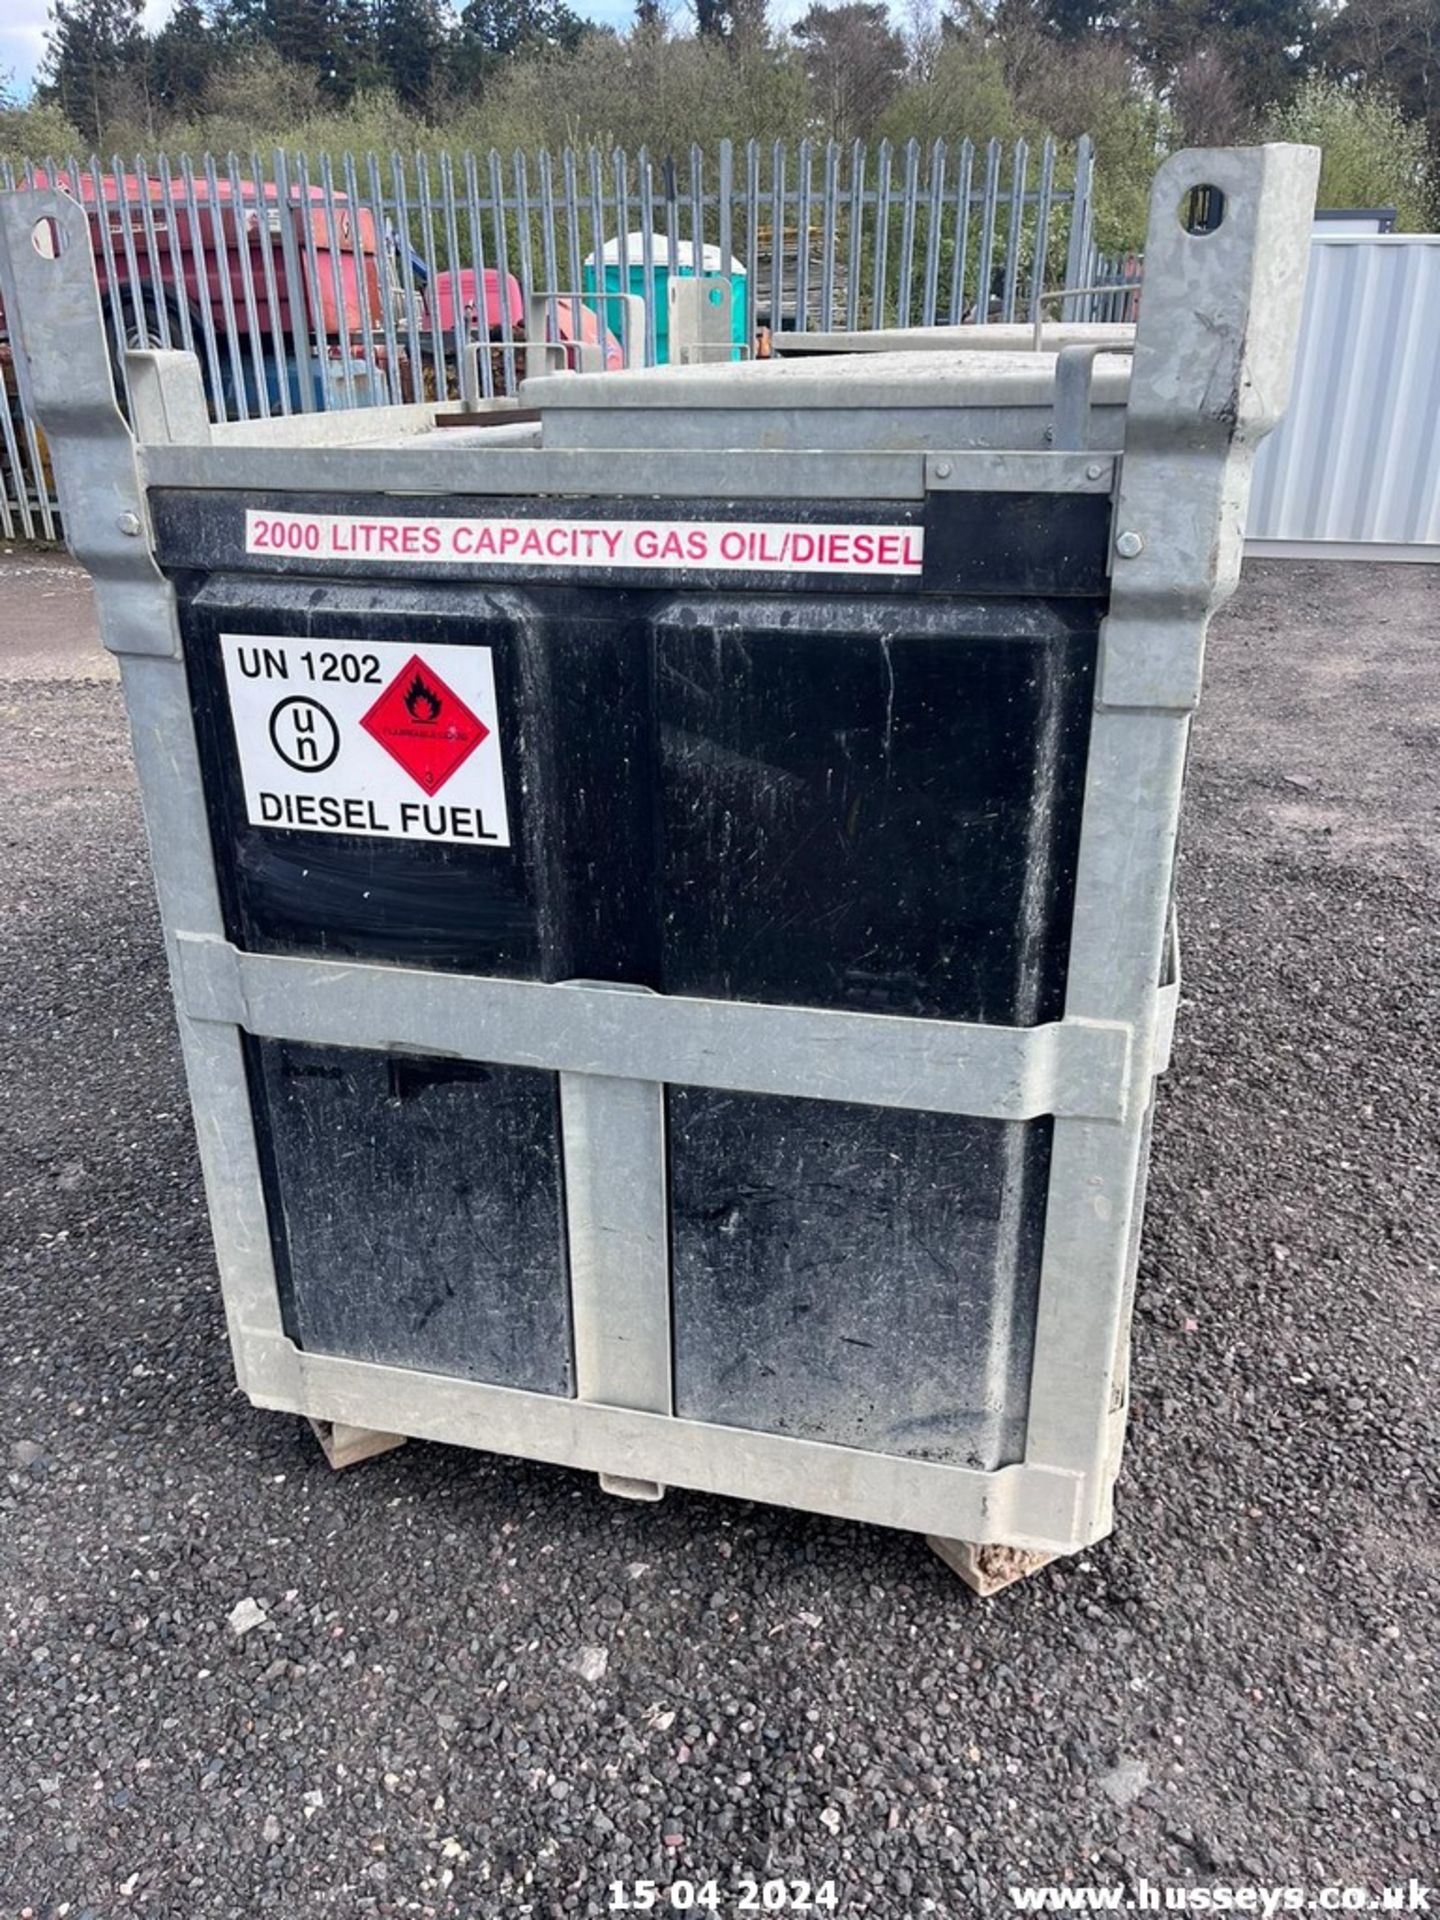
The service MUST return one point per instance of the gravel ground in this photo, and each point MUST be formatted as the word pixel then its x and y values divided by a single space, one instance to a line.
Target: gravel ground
pixel 480 1687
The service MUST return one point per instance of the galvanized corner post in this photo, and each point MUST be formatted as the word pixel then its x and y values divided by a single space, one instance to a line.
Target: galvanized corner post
pixel 1218 323
pixel 47 281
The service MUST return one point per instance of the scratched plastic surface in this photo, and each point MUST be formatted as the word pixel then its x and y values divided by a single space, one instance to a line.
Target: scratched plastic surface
pixel 570 898
pixel 861 800
pixel 861 1275
pixel 872 804
pixel 813 800
pixel 416 1211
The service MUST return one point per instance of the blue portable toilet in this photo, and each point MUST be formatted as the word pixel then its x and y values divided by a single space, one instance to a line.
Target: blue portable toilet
pixel 627 275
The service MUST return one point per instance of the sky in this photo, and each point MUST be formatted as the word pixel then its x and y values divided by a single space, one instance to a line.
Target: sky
pixel 22 28
pixel 22 35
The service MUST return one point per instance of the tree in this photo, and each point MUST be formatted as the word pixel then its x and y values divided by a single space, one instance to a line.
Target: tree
pixel 183 56
pixel 353 56
pixel 647 90
pixel 410 40
pixel 1208 101
pixel 735 21
pixel 924 32
pixel 1394 44
pixel 504 28
pixel 335 39
pixel 957 91
pixel 855 60
pixel 300 31
pixel 1093 87
pixel 95 56
pixel 1266 45
pixel 1068 20
pixel 1370 154
pixel 29 131
pixel 494 34
pixel 253 89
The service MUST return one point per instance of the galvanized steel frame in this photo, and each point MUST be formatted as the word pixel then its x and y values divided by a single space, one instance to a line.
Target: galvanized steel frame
pixel 1210 374
pixel 579 472
pixel 1213 355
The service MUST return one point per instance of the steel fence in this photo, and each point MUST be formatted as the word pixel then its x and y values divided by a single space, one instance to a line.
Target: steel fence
pixel 1113 287
pixel 346 281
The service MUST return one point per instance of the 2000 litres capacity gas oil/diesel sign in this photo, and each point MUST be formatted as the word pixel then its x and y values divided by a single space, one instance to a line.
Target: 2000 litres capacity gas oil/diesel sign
pixel 371 737
pixel 645 546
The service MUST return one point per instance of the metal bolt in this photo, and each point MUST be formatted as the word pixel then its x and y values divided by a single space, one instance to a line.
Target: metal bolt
pixel 129 523
pixel 1129 544
pixel 943 469
pixel 1094 470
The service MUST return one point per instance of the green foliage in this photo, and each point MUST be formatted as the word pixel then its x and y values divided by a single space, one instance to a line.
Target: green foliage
pixel 184 55
pixel 963 94
pixel 1139 76
pixel 1131 138
pixel 495 31
pixel 1069 88
pixel 35 131
pixel 1391 44
pixel 410 48
pixel 249 99
pixel 646 91
pixel 257 102
pixel 1266 44
pixel 97 60
pixel 1371 155
pixel 855 61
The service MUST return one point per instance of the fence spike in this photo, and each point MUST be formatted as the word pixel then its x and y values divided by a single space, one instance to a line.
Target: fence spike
pixel 894 223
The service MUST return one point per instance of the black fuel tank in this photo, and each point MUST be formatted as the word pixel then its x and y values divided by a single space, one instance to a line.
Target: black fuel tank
pixel 817 797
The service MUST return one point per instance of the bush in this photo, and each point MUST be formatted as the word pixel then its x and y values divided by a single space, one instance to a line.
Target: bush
pixel 1093 88
pixel 30 133
pixel 964 95
pixel 646 90
pixel 1371 155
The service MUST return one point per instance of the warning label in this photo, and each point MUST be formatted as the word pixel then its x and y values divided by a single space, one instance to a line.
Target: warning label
pixel 666 546
pixel 376 738
pixel 425 725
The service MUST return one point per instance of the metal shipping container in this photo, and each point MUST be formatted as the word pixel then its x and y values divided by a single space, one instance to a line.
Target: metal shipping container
pixel 668 887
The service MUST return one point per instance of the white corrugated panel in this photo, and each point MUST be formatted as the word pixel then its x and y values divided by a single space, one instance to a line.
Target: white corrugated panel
pixel 1355 463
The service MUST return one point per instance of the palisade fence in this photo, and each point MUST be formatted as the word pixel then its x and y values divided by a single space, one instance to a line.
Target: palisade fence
pixel 1112 283
pixel 361 280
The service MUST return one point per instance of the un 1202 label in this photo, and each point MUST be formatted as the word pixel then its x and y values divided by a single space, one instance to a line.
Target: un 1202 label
pixel 378 738
pixel 659 546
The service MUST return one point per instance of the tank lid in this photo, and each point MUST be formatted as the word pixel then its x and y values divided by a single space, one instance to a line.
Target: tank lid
pixel 842 380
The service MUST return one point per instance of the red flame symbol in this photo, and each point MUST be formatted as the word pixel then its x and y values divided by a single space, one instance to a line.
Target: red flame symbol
pixel 422 702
